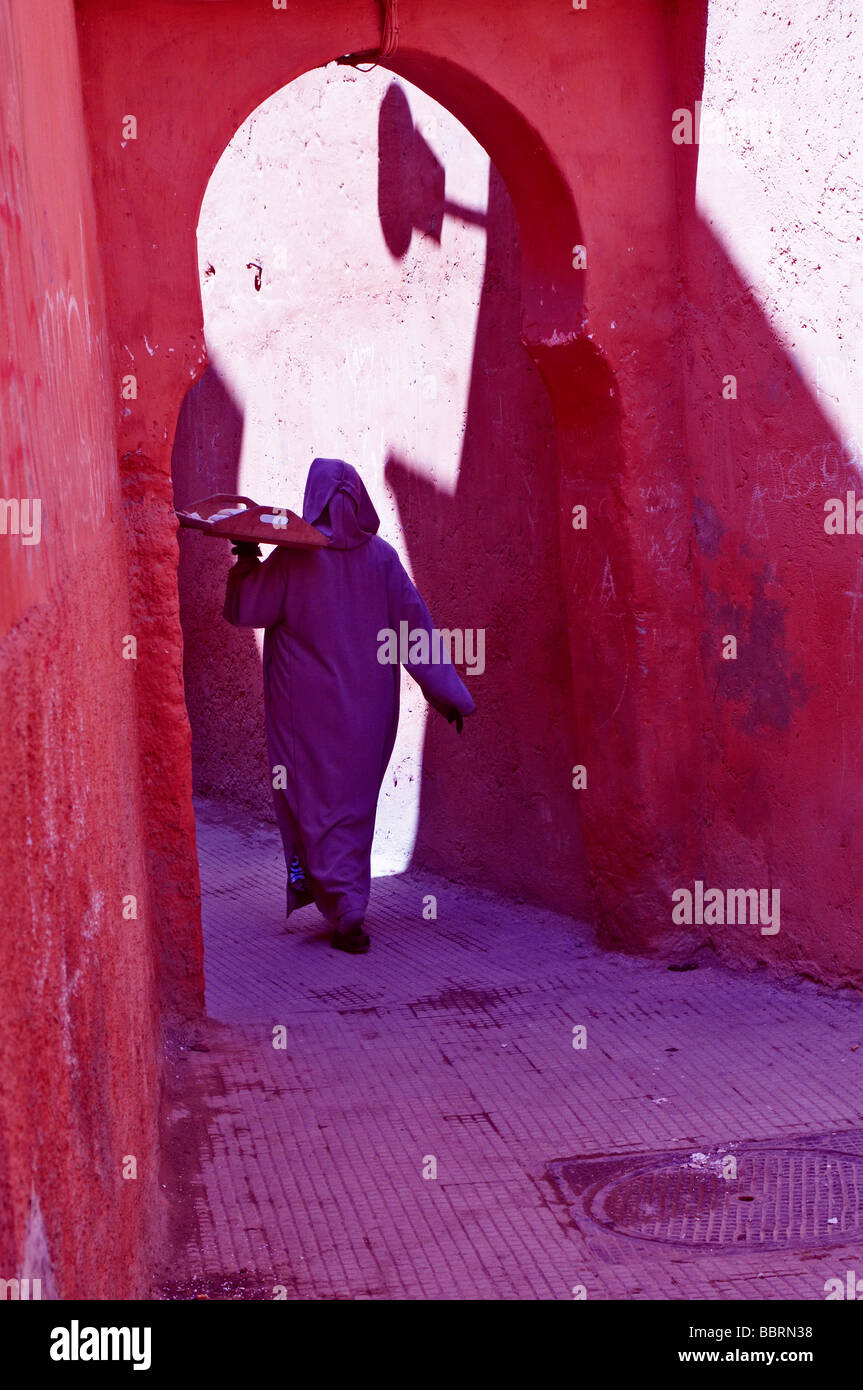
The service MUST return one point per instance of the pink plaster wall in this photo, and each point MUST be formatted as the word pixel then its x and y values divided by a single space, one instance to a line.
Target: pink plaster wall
pixel 706 515
pixel 770 237
pixel 696 769
pixel 79 1028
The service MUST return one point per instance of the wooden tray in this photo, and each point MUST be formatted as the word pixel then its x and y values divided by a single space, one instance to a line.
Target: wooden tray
pixel 256 524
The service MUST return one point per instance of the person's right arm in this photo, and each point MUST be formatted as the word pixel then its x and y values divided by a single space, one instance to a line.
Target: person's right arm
pixel 256 590
pixel 440 683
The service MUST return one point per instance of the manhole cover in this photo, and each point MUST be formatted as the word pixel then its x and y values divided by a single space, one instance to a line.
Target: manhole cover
pixel 779 1199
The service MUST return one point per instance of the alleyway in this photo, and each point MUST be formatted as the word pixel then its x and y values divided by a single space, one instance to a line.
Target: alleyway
pixel 303 1168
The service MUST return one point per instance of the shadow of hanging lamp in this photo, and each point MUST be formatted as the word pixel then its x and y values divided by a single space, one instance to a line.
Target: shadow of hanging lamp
pixel 411 179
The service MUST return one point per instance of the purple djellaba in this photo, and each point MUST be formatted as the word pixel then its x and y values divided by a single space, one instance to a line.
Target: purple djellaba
pixel 331 703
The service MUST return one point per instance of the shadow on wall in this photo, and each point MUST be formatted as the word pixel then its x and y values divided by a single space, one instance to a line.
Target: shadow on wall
pixel 499 807
pixel 496 804
pixel 781 753
pixel 221 663
pixel 771 791
pixel 781 737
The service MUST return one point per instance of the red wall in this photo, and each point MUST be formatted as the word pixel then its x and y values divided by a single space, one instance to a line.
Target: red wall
pixel 518 87
pixel 702 522
pixel 780 755
pixel 78 1009
pixel 696 770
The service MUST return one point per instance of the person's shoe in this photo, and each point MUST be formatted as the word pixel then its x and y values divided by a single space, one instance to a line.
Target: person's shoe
pixel 297 900
pixel 353 940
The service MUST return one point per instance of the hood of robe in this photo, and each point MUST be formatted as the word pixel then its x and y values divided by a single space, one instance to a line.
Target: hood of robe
pixel 336 488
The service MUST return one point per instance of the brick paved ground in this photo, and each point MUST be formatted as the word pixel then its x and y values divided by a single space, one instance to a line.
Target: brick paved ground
pixel 302 1167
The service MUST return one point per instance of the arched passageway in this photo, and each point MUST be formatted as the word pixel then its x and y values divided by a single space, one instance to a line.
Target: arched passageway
pixel 360 275
pixel 707 519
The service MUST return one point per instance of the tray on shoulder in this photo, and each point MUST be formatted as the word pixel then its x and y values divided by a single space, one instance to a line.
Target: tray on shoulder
pixel 236 518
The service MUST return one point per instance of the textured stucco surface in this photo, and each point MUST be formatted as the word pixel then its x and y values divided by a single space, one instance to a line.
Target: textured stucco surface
pixel 771 271
pixel 705 513
pixel 386 331
pixel 744 773
pixel 78 1010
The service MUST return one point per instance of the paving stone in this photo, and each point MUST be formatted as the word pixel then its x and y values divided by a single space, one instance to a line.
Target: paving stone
pixel 453 1039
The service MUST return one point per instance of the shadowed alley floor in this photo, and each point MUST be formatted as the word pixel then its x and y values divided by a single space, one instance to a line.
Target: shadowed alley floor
pixel 301 1169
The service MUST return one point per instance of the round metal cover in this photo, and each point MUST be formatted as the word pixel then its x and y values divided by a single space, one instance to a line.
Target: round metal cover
pixel 780 1199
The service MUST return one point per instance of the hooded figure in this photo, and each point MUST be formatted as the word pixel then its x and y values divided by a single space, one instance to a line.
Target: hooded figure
pixel 331 697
